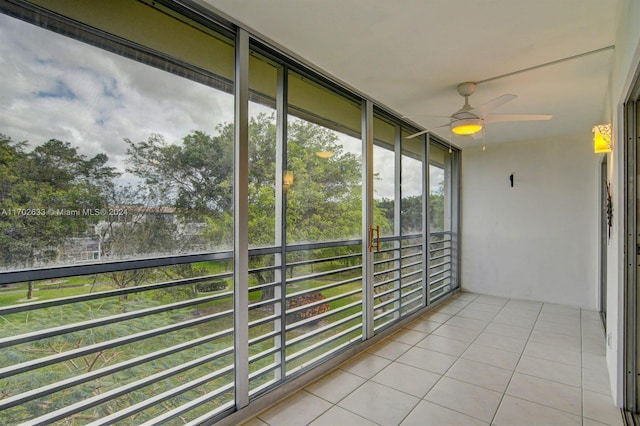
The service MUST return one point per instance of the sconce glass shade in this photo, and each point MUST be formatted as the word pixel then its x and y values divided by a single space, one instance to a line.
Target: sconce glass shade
pixel 601 138
pixel 466 126
pixel 287 179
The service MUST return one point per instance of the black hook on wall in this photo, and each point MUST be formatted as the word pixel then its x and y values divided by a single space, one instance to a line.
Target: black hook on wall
pixel 511 179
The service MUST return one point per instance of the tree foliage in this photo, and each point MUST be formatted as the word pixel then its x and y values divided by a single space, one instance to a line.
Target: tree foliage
pixel 38 191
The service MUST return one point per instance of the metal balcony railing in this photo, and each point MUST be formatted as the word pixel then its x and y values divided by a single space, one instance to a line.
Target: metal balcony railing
pixel 149 341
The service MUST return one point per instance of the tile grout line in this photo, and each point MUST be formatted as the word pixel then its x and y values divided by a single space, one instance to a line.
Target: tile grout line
pixel 441 376
pixel 370 378
pixel 518 362
pixel 458 358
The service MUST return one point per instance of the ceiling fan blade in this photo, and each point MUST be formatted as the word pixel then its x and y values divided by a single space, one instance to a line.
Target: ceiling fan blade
pixel 497 118
pixel 484 109
pixel 426 115
pixel 425 131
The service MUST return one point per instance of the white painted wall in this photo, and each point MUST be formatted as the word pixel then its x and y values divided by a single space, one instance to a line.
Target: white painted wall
pixel 539 239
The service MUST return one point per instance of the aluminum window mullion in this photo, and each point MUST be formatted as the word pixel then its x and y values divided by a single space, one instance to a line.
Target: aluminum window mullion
pixel 241 219
pixel 367 220
pixel 426 220
pixel 397 219
pixel 282 114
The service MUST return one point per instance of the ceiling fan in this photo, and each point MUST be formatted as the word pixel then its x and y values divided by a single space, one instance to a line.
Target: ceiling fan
pixel 470 120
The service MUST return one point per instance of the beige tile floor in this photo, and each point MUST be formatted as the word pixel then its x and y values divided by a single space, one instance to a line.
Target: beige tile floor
pixel 476 360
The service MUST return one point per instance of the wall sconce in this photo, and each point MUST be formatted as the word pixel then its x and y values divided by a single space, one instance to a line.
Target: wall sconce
pixel 287 179
pixel 601 138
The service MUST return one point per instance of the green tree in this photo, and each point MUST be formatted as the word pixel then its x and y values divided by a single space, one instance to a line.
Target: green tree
pixel 41 193
pixel 436 209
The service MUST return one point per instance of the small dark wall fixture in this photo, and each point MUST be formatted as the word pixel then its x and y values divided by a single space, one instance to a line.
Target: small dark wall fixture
pixel 511 179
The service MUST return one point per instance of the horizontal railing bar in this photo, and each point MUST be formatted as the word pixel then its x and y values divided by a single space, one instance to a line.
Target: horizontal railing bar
pixel 411 246
pixel 440 287
pixel 328 300
pixel 315 361
pixel 440 257
pixel 439 280
pixel 414 308
pixel 390 260
pixel 395 273
pixel 411 274
pixel 386 302
pixel 436 249
pixel 324 287
pixel 321 343
pixel 122 390
pixel 157 399
pixel 386 292
pixel 260 303
pixel 386 282
pixel 323 260
pixel 419 287
pixel 264 370
pixel 195 403
pixel 37 274
pixel 106 294
pixel 325 244
pixel 385 250
pixel 435 274
pixel 255 271
pixel 389 238
pixel 387 313
pixel 412 264
pixel 324 315
pixel 264 354
pixel 410 301
pixel 24 275
pixel 263 286
pixel 86 350
pixel 411 254
pixel 439 296
pixel 322 274
pixel 263 387
pixel 264 337
pixel 437 233
pixel 112 319
pixel 445 240
pixel 87 377
pixel 262 321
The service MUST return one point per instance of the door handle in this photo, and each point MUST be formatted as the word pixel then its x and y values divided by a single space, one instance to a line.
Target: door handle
pixel 370 239
pixel 371 229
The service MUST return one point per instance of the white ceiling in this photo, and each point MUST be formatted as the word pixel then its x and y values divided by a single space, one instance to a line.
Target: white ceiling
pixel 411 54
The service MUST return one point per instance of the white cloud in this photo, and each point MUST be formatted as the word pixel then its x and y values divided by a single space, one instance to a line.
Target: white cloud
pixel 56 87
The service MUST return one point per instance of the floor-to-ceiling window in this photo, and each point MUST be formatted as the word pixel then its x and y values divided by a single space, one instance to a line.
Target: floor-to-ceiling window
pixel 119 139
pixel 116 224
pixel 323 220
pixel 443 223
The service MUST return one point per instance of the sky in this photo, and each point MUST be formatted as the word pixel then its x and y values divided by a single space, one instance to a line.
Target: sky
pixel 54 87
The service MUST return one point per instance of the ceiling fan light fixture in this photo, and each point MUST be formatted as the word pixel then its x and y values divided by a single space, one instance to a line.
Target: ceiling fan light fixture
pixel 466 126
pixel 324 154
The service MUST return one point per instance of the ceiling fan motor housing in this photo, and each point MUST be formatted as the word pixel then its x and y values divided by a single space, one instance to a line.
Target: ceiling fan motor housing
pixel 467 88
